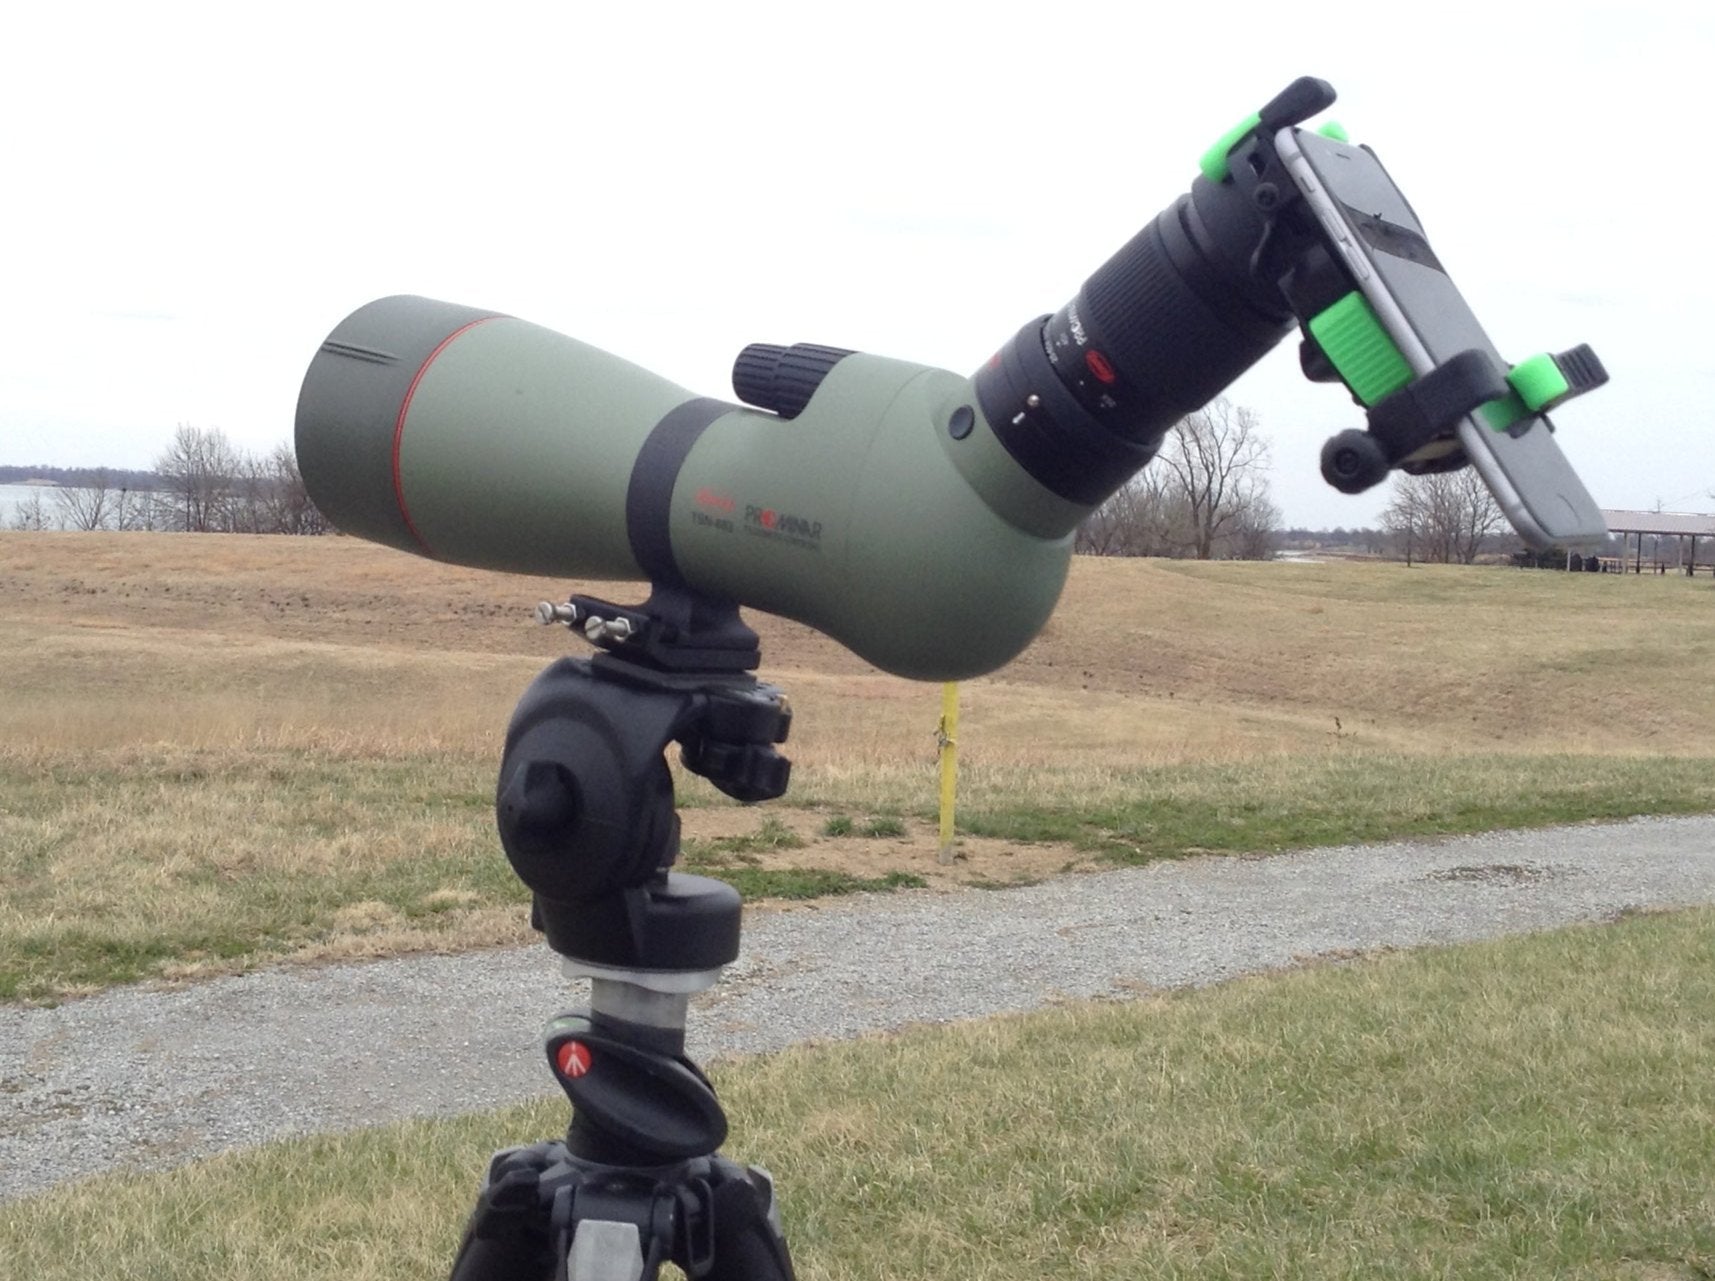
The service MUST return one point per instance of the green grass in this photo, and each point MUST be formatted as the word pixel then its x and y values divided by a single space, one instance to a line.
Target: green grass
pixel 734 860
pixel 1336 799
pixel 187 861
pixel 772 834
pixel 1533 1108
pixel 844 825
pixel 118 869
pixel 757 883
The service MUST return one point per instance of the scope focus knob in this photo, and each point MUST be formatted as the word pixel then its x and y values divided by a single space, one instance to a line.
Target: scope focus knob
pixel 782 379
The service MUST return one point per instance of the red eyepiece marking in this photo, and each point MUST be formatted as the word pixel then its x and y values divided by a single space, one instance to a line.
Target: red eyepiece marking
pixel 1100 367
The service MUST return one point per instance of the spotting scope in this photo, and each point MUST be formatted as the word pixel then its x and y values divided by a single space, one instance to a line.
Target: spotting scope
pixel 923 518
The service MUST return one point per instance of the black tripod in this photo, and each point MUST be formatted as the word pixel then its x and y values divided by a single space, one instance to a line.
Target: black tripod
pixel 585 807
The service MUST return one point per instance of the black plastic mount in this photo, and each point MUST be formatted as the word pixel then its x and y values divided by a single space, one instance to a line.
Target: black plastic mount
pixel 1405 420
pixel 675 630
pixel 1583 371
pixel 585 806
pixel 1425 410
pixel 636 1098
pixel 1296 253
pixel 585 799
pixel 1295 104
pixel 1293 253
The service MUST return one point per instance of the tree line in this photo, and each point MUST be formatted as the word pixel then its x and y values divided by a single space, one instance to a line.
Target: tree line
pixel 1205 496
pixel 201 483
pixel 1446 518
pixel 77 477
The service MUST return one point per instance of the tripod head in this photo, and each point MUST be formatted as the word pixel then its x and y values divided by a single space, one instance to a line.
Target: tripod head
pixel 585 800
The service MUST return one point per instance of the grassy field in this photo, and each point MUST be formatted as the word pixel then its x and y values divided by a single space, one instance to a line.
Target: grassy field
pixel 1534 1108
pixel 218 751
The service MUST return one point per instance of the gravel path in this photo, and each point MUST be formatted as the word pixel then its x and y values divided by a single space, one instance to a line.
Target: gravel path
pixel 146 1079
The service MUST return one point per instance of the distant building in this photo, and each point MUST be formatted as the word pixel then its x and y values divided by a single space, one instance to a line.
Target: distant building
pixel 1684 527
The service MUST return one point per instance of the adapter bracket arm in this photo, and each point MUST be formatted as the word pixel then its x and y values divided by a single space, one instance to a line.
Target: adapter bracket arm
pixel 1409 417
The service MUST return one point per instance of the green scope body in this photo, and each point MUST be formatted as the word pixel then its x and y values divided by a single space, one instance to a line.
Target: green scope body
pixel 489 441
pixel 923 519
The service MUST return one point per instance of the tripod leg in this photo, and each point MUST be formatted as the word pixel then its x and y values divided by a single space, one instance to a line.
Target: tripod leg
pixel 508 1236
pixel 748 1242
pixel 480 1260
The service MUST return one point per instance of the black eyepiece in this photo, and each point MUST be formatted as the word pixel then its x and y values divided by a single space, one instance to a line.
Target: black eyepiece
pixel 1082 398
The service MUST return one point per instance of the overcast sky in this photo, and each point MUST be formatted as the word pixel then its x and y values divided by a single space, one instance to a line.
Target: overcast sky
pixel 196 194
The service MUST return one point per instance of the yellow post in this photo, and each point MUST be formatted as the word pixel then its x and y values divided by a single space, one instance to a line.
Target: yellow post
pixel 947 735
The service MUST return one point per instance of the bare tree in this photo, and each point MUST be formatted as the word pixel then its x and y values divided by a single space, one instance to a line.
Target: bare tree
pixel 30 514
pixel 1478 514
pixel 1141 519
pixel 87 506
pixel 1205 495
pixel 268 496
pixel 250 498
pixel 1405 518
pixel 1442 518
pixel 293 510
pixel 1257 534
pixel 1107 530
pixel 199 469
pixel 133 509
pixel 1216 462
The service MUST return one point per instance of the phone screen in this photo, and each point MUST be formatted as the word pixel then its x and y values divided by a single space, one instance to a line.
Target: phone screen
pixel 1384 246
pixel 1377 216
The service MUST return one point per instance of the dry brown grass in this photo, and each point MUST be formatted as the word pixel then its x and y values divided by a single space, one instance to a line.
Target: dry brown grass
pixel 224 709
pixel 113 639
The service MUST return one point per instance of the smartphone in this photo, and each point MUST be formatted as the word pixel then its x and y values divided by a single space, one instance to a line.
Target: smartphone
pixel 1373 228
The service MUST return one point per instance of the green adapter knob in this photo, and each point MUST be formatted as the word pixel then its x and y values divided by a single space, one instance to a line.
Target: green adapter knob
pixel 1547 380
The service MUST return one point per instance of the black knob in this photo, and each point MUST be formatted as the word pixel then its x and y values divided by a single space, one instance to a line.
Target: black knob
pixel 540 807
pixel 783 379
pixel 1353 461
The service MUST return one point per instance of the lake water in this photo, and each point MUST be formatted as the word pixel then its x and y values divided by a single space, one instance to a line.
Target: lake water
pixel 13 497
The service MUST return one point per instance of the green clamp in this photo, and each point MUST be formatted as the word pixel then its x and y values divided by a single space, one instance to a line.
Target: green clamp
pixel 1366 358
pixel 1303 98
pixel 1547 381
pixel 1214 161
pixel 1352 339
